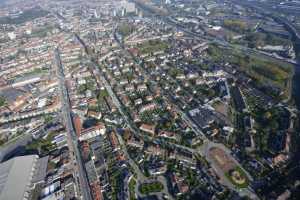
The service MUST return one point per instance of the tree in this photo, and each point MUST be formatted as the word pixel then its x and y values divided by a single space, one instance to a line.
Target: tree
pixel 2 101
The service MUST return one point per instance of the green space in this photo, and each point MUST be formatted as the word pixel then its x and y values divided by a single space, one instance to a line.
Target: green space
pixel 206 91
pixel 42 32
pixel 236 25
pixel 27 15
pixel 131 186
pixel 48 118
pixel 261 39
pixel 43 145
pixel 151 116
pixel 51 165
pixel 186 138
pixel 267 119
pixel 2 142
pixel 102 94
pixel 262 70
pixel 2 101
pixel 147 188
pixel 153 46
pixel 36 71
pixel 89 85
pixel 238 177
pixel 116 178
pixel 125 29
pixel 267 124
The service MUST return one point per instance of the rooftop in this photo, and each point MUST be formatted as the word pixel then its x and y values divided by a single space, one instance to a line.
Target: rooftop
pixel 15 177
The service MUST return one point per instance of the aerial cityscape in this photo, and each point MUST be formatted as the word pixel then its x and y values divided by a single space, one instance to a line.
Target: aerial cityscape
pixel 149 100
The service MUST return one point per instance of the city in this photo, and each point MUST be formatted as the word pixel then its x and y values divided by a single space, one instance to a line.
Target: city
pixel 149 99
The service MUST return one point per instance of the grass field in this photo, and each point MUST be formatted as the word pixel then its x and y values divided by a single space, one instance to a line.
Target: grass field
pixel 262 69
pixel 153 46
pixel 242 184
pixel 147 188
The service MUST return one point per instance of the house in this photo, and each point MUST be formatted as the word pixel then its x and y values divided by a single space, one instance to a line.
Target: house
pixel 134 142
pixel 179 184
pixel 156 166
pixel 96 190
pixel 168 134
pixel 280 159
pixel 142 87
pixel 148 129
pixel 94 131
pixel 94 114
pixel 148 107
pixel 125 100
pixel 77 125
pixel 155 151
pixel 114 141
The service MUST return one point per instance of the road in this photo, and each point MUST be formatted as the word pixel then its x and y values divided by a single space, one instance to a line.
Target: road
pixel 204 151
pixel 268 10
pixel 140 176
pixel 101 80
pixel 224 43
pixel 207 143
pixel 209 39
pixel 82 180
pixel 192 125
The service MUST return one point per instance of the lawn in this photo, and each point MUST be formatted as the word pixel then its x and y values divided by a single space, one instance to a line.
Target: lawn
pixel 236 25
pixel 2 101
pixel 147 188
pixel 44 146
pixel 153 46
pixel 132 185
pixel 263 70
pixel 36 71
pixel 243 177
pixel 126 29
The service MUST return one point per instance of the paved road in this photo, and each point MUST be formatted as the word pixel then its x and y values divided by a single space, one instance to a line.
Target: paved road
pixel 204 151
pixel 191 124
pixel 207 142
pixel 210 39
pixel 140 176
pixel 71 137
pixel 266 10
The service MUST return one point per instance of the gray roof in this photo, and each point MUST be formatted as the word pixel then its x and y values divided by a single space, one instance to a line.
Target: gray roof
pixel 11 94
pixel 41 169
pixel 15 177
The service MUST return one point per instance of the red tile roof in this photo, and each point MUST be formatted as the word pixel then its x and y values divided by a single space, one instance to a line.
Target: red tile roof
pixel 77 125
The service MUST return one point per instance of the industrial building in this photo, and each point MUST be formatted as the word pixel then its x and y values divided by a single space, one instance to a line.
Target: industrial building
pixel 19 175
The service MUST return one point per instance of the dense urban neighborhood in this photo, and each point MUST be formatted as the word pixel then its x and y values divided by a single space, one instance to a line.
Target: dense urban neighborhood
pixel 149 99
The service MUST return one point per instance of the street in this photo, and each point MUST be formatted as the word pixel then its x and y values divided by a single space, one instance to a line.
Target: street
pixel 71 137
